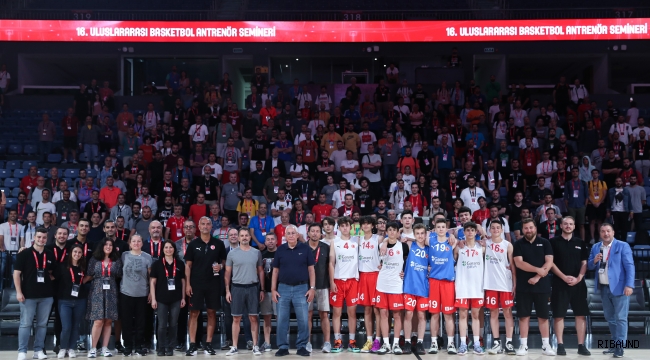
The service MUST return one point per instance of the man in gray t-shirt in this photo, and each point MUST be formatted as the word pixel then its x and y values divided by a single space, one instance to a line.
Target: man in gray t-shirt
pixel 141 226
pixel 637 200
pixel 244 287
pixel 231 193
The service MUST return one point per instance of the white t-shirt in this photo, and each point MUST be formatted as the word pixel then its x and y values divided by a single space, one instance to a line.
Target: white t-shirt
pixel 4 77
pixel 13 232
pixel 217 170
pixel 367 138
pixel 339 196
pixel 324 99
pixel 393 71
pixel 300 137
pixel 405 93
pixel 43 208
pixel 624 131
pixel 280 205
pixel 470 198
pixel 338 156
pixel 366 172
pixel 199 133
pixel 506 227
pixel 151 119
pixel 545 167
pixel 518 115
pixel 408 180
pixel 302 97
pixel 633 113
pixel 522 143
pixel 494 109
pixel 349 164
pixel 313 125
pixel 638 130
pixel 297 168
pixel 59 196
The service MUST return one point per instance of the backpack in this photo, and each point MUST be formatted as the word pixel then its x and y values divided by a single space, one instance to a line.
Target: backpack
pixel 373 170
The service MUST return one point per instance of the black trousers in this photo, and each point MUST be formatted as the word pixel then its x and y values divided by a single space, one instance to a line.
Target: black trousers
pixel 133 312
pixel 183 318
pixel 621 224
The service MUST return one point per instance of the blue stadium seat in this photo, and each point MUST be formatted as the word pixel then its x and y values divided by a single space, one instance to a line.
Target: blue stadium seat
pixel 2 164
pixel 91 173
pixel 20 173
pixel 14 164
pixel 11 202
pixel 29 163
pixel 43 172
pixel 15 191
pixel 3 149
pixel 5 190
pixel 70 182
pixel 15 149
pixel 630 237
pixel 11 183
pixel 29 150
pixel 4 173
pixel 71 173
pixel 54 158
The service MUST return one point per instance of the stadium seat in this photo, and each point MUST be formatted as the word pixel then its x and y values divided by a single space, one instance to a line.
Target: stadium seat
pixel 70 182
pixel 15 149
pixel 91 173
pixel 83 158
pixel 11 202
pixel 54 158
pixel 15 192
pixel 20 173
pixel 43 172
pixel 13 165
pixel 29 150
pixel 3 149
pixel 29 163
pixel 71 173
pixel 4 173
pixel 2 164
pixel 630 237
pixel 5 190
pixel 11 183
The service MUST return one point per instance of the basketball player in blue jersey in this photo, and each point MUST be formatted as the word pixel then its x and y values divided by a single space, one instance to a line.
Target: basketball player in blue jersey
pixel 416 289
pixel 465 216
pixel 441 285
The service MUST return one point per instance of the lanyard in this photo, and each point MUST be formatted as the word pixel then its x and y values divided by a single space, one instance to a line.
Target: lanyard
pixel 123 234
pixel 317 255
pixel 551 227
pixel 621 131
pixel 20 213
pixel 153 246
pixel 56 254
pixel 54 187
pixel 36 259
pixel 108 268
pixel 173 272
pixel 416 204
pixel 94 210
pixel 171 187
pixel 299 219
pixel 11 232
pixel 262 226
pixel 453 187
pixel 72 275
pixel 561 181
pixel 576 187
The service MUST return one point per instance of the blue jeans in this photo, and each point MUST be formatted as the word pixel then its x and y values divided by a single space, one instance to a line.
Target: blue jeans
pixel 390 174
pixel 4 258
pixel 92 152
pixel 72 314
pixel 30 308
pixel 615 309
pixel 292 295
pixel 515 151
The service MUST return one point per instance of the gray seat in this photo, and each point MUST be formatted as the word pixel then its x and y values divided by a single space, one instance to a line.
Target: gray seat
pixel 10 307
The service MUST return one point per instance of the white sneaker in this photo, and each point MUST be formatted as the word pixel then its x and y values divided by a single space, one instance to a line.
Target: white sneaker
pixel 88 166
pixel 106 352
pixel 548 351
pixel 434 348
pixel 74 161
pixel 496 348
pixel 61 354
pixel 40 355
pixel 256 350
pixel 21 356
pixel 309 347
pixel 64 161
pixel 92 353
pixel 71 353
pixel 233 351
pixel 96 168
pixel 522 351
pixel 451 349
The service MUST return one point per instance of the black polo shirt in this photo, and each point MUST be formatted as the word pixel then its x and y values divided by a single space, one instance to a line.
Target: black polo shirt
pixel 203 255
pixel 26 264
pixel 293 264
pixel 321 265
pixel 163 294
pixel 121 246
pixel 533 253
pixel 568 256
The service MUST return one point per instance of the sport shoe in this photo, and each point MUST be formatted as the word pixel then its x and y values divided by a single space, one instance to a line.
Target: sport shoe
pixel 582 350
pixel 549 351
pixel 106 352
pixel 338 346
pixel 327 347
pixel 434 348
pixel 609 351
pixel 478 349
pixel 383 350
pixel 92 353
pixel 192 351
pixel 282 352
pixel 119 348
pixel 618 353
pixel 81 347
pixel 407 348
pixel 397 350
pixel 266 347
pixel 74 161
pixel 226 345
pixel 61 354
pixel 402 339
pixel 510 349
pixel 249 345
pixel 419 348
pixel 375 346
pixel 256 350
pixel 96 168
pixel 522 351
pixel 367 346
pixel 40 355
pixel 208 350
pixel 309 347
pixel 233 351
pixel 462 349
pixel 21 356
pixel 496 348
pixel 303 352
pixel 71 353
pixel 451 349
pixel 352 346
pixel 560 349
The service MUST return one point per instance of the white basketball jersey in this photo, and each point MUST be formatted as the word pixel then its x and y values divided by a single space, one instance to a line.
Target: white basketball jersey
pixel 388 280
pixel 347 259
pixel 497 274
pixel 369 254
pixel 469 273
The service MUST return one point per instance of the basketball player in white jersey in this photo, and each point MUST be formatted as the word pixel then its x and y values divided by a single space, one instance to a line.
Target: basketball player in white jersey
pixel 469 286
pixel 406 232
pixel 389 288
pixel 369 265
pixel 328 228
pixel 344 282
pixel 499 281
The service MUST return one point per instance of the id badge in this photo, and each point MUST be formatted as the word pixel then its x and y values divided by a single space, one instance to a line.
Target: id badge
pixel 64 216
pixel 426 162
pixel 275 189
pixel 130 148
pixel 575 193
pixel 514 184
pixel 304 197
pixel 171 284
pixel 179 233
pixel 387 154
pixel 363 204
pixel 601 270
pixel 400 205
pixel 529 164
pixel 167 189
pixel 230 162
pixel 596 196
pixel 126 123
pixel 75 290
pixel 503 163
pixel 415 213
pixel 263 233
pixel 207 191
pixel 40 276
pixel 106 283
pixel 234 122
pixel 223 134
pixel 287 123
pixel 307 152
pixel 44 133
pixel 444 157
pixel 14 240
pixel 640 152
pixel 453 195
pixel 337 126
pixel 69 127
pixel 332 145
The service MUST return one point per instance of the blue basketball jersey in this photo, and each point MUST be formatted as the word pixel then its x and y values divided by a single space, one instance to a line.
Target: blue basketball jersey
pixel 441 260
pixel 415 271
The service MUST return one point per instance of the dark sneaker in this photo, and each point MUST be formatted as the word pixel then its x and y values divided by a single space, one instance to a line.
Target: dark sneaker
pixel 192 351
pixel 402 340
pixel 283 352
pixel 141 351
pixel 303 352
pixel 414 339
pixel 160 353
pixel 582 350
pixel 560 349
pixel 208 350
pixel 119 348
pixel 618 353
pixel 178 348
pixel 419 348
pixel 609 351
pixel 169 352
pixel 406 349
pixel 227 345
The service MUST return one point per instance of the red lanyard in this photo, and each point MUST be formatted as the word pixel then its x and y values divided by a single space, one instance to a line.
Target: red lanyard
pixel 459 131
pixel 123 234
pixel 561 181
pixel 94 210
pixel 20 214
pixel 453 187
pixel 262 226
pixel 56 254
pixel 576 187
pixel 108 268
pixel 153 246
pixel 54 187
pixel 171 187
pixel 620 131
pixel 36 259
pixel 72 275
pixel 197 130
pixel 551 227
pixel 549 166
pixel 184 244
pixel 317 255
pixel 173 271
pixel 299 219
pixel 134 169
pixel 11 232
pixel 512 133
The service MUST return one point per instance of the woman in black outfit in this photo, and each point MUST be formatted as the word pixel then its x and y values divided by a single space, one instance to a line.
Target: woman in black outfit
pixel 72 297
pixel 167 288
